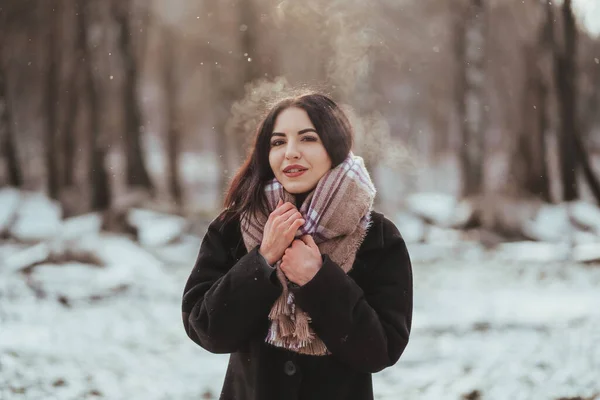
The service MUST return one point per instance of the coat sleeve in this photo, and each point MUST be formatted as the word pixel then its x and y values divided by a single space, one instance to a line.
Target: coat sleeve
pixel 366 327
pixel 226 302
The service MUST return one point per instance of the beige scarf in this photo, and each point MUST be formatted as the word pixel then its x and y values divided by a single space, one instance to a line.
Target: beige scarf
pixel 337 215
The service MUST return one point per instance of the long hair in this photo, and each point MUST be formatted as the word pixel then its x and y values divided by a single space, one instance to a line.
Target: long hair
pixel 246 191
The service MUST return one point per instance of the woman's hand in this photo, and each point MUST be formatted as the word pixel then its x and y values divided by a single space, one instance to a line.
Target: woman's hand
pixel 302 261
pixel 280 230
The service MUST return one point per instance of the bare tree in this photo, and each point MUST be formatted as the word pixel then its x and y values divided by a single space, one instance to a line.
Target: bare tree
pixel 53 154
pixel 136 172
pixel 223 97
pixel 589 116
pixel 227 83
pixel 588 171
pixel 101 194
pixel 529 165
pixel 173 119
pixel 8 147
pixel 565 77
pixel 572 151
pixel 7 141
pixel 470 30
pixel 68 139
pixel 590 110
pixel 249 39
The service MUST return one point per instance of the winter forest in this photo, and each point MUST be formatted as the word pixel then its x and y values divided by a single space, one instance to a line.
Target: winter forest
pixel 123 121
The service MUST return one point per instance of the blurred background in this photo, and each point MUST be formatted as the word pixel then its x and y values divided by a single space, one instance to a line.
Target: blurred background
pixel 122 122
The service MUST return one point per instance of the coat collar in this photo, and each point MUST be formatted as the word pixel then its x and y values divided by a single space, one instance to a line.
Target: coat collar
pixel 374 238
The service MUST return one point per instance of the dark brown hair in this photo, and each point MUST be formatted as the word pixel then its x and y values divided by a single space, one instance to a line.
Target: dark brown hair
pixel 246 191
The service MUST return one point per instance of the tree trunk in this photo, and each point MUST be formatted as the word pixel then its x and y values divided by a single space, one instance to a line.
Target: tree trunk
pixel 566 77
pixel 173 122
pixel 223 96
pixel 52 99
pixel 530 166
pixel 588 172
pixel 7 140
pixel 136 172
pixel 68 137
pixel 249 40
pixel 470 53
pixel 540 178
pixel 591 105
pixel 101 196
pixel 224 92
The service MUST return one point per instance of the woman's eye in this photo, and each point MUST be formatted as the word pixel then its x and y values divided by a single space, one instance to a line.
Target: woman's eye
pixel 310 139
pixel 276 143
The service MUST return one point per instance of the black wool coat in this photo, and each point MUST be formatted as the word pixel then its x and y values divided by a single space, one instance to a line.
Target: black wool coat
pixel 364 317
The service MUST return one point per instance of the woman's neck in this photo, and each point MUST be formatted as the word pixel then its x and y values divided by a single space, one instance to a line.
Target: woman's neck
pixel 300 199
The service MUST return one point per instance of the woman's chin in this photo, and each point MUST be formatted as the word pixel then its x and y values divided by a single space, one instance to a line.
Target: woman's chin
pixel 297 188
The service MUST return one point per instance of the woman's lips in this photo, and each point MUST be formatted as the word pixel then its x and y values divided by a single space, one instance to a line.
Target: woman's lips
pixel 294 174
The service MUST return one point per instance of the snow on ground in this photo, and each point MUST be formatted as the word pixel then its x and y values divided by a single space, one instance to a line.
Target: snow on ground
pixel 482 325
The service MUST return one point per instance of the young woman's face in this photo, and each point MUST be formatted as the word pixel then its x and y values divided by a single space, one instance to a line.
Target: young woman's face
pixel 297 156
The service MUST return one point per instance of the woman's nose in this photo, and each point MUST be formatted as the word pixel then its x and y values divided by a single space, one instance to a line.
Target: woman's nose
pixel 291 151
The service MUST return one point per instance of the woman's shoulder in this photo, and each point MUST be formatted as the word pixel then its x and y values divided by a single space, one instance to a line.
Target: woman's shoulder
pixel 226 225
pixel 382 231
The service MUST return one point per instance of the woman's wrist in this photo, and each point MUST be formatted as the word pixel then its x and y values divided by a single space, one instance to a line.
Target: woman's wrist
pixel 265 255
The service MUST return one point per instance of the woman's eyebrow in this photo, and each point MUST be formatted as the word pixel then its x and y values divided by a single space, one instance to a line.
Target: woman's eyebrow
pixel 299 132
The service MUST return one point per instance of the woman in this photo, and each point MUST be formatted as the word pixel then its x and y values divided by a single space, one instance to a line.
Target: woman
pixel 307 287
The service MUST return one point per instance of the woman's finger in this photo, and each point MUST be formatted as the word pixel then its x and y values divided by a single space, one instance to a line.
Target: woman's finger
pixel 282 219
pixel 309 241
pixel 295 226
pixel 282 209
pixel 292 217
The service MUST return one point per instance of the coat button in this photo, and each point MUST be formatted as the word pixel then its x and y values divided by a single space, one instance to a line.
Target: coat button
pixel 289 368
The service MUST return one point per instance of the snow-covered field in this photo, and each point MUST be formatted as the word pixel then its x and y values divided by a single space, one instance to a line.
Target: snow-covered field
pixel 484 327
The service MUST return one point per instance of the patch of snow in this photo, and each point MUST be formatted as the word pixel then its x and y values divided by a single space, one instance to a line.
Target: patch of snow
pixel 183 252
pixel 463 212
pixel 411 228
pixel 23 258
pixel 534 251
pixel 82 225
pixel 9 203
pixel 501 308
pixel 38 218
pixel 115 249
pixel 7 249
pixel 156 229
pixel 586 215
pixel 551 224
pixel 438 208
pixel 443 236
pixel 81 281
pixel 426 252
pixel 580 237
pixel 199 167
pixel 587 252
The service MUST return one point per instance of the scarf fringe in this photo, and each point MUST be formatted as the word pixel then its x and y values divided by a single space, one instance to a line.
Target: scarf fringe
pixel 315 347
pixel 281 307
pixel 286 326
pixel 303 331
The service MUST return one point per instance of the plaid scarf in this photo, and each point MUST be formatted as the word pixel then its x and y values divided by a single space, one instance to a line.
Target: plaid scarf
pixel 337 215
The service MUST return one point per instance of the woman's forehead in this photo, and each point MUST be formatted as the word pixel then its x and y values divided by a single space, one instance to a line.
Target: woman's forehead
pixel 292 120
